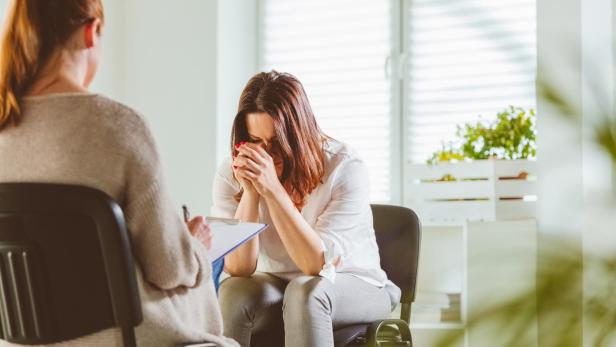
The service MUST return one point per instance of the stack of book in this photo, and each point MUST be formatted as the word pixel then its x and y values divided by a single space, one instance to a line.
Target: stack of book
pixel 434 307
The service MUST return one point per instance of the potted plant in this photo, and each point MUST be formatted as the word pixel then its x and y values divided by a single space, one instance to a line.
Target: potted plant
pixel 512 136
pixel 487 173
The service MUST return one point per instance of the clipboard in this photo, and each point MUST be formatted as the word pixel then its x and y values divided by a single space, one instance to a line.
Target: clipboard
pixel 229 234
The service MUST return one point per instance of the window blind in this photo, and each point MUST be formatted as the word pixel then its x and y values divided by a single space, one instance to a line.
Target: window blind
pixel 337 49
pixel 467 58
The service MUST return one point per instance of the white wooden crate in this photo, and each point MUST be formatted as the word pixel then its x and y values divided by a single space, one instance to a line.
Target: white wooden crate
pixel 482 190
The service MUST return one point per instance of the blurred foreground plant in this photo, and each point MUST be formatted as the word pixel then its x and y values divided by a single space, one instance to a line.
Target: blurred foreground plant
pixel 558 289
pixel 511 323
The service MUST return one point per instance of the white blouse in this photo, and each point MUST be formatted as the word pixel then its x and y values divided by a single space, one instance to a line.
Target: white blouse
pixel 338 210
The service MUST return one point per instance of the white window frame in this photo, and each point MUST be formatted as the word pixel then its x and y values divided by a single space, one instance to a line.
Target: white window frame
pixel 395 66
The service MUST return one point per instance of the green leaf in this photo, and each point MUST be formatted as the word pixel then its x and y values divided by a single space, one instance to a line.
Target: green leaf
pixel 511 136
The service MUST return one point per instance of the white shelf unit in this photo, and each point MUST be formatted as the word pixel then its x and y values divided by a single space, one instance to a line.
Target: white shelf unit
pixel 487 190
pixel 488 262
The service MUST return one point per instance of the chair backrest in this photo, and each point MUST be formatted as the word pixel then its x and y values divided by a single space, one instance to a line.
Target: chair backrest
pixel 66 268
pixel 398 234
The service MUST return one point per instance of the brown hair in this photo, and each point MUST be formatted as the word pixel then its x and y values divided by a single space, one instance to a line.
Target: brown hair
pixel 34 28
pixel 300 140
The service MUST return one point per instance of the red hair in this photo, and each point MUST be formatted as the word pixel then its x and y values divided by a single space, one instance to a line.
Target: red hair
pixel 34 29
pixel 300 140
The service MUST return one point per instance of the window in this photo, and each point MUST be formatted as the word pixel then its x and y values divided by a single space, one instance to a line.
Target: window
pixel 466 58
pixel 337 49
pixel 394 78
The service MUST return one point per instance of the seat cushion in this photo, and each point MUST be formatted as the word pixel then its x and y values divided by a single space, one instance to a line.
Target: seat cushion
pixel 345 336
pixel 356 335
pixel 342 337
pixel 269 338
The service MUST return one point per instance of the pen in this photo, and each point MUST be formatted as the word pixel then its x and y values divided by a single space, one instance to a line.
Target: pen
pixel 186 213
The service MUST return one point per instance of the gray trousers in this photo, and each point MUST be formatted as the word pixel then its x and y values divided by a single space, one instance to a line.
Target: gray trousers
pixel 310 307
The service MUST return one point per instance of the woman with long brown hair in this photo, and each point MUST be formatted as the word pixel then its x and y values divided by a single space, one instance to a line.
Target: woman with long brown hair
pixel 53 130
pixel 319 257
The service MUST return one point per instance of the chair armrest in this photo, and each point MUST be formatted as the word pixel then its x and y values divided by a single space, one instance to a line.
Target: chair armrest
pixel 377 326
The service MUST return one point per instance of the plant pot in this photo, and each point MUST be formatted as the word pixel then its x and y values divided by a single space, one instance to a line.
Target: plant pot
pixel 487 190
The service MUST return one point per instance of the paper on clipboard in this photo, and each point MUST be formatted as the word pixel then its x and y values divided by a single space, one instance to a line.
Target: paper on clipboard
pixel 228 236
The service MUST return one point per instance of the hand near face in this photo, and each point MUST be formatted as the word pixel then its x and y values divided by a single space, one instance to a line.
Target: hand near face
pixel 240 176
pixel 257 166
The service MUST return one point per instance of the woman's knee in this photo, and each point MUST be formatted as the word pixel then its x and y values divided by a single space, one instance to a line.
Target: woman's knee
pixel 243 298
pixel 240 295
pixel 308 292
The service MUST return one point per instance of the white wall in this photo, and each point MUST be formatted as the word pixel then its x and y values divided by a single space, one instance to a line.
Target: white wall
pixel 576 53
pixel 3 4
pixel 161 57
pixel 237 62
pixel 598 98
pixel 597 94
pixel 183 66
pixel 170 76
pixel 559 139
pixel 111 77
pixel 560 159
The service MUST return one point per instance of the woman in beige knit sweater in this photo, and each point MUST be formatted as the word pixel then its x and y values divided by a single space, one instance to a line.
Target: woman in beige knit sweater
pixel 53 130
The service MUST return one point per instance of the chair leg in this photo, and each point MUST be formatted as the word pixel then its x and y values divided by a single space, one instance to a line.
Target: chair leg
pixel 128 337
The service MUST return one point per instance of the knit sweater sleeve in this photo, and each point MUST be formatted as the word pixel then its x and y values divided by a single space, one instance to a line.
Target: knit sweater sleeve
pixel 168 254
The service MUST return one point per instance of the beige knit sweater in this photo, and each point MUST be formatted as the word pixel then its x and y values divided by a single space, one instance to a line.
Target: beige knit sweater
pixel 93 141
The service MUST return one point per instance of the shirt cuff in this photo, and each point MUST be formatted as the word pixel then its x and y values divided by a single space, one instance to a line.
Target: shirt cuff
pixel 332 251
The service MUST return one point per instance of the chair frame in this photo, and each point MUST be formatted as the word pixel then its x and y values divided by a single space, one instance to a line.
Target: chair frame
pixel 372 336
pixel 21 201
pixel 407 298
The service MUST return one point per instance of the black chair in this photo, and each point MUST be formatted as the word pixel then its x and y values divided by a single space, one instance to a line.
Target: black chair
pixel 398 234
pixel 66 268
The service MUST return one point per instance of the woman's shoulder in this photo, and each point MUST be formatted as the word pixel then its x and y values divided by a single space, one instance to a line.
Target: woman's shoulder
pixel 111 119
pixel 120 114
pixel 224 168
pixel 127 125
pixel 95 110
pixel 337 152
pixel 345 171
pixel 342 159
pixel 224 173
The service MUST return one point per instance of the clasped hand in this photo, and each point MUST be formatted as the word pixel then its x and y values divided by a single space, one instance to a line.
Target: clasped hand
pixel 255 170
